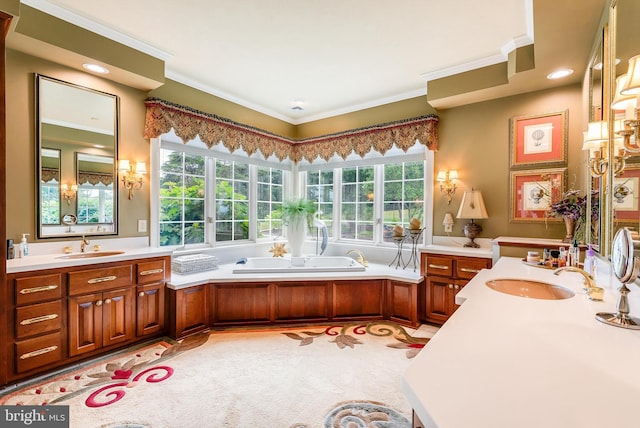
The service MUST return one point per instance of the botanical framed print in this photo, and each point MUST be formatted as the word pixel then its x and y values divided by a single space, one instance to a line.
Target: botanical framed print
pixel 626 189
pixel 533 192
pixel 538 140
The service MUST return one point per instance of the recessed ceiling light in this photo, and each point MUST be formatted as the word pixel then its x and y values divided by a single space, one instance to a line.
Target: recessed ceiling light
pixel 560 73
pixel 95 68
pixel 598 66
pixel 297 105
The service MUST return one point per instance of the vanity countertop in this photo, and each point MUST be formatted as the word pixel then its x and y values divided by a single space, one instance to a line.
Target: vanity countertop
pixel 506 361
pixel 224 274
pixel 51 261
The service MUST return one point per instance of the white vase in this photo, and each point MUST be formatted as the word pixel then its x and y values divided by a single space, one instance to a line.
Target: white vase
pixel 296 234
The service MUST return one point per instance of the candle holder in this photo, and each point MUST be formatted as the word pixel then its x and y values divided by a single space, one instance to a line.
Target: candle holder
pixel 415 235
pixel 399 240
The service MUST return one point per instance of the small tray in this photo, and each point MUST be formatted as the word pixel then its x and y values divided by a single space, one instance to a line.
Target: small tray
pixel 537 264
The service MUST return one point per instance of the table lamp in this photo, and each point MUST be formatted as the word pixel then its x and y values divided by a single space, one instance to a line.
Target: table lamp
pixel 472 207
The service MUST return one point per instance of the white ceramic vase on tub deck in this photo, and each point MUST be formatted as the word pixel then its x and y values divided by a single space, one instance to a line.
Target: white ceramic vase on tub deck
pixel 296 234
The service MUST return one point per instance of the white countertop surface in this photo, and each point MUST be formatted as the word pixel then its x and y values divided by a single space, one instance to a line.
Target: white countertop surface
pixel 506 361
pixel 50 261
pixel 224 274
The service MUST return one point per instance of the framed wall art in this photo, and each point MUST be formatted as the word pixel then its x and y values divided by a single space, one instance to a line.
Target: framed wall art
pixel 538 140
pixel 626 188
pixel 533 192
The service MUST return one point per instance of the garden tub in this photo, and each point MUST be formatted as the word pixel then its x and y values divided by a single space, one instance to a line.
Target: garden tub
pixel 298 265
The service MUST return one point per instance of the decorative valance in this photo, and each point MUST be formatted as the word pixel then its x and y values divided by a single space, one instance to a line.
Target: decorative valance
pixel 94 178
pixel 162 116
pixel 49 174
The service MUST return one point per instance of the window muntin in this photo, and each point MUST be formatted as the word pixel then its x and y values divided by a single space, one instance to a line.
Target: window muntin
pixel 357 209
pixel 270 194
pixel 232 200
pixel 403 195
pixel 95 203
pixel 319 188
pixel 182 198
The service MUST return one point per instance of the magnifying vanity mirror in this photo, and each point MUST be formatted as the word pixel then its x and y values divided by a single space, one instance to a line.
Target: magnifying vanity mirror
pixel 77 137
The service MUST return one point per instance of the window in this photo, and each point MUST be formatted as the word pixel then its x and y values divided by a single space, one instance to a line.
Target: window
pixel 95 203
pixel 182 198
pixel 356 221
pixel 270 193
pixel 232 200
pixel 50 200
pixel 320 189
pixel 403 195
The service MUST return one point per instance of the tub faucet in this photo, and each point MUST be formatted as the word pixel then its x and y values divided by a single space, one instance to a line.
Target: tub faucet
pixel 360 259
pixel 84 241
pixel 593 291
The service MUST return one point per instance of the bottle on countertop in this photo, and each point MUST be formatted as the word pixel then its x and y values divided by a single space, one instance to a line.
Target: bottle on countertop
pixel 574 254
pixel 24 246
pixel 590 262
pixel 562 257
pixel 10 249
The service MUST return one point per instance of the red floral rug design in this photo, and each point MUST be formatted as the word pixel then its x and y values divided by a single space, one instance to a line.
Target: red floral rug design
pixel 109 381
pixel 346 336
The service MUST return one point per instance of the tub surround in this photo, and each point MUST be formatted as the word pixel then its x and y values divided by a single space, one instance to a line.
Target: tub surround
pixel 504 361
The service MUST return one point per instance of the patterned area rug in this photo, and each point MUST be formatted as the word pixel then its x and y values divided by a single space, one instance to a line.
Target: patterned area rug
pixel 283 378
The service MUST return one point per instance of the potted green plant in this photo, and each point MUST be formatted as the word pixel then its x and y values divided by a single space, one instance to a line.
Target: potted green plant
pixel 297 215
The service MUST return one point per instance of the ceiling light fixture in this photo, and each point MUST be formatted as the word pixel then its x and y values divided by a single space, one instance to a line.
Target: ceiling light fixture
pixel 560 73
pixel 297 105
pixel 95 68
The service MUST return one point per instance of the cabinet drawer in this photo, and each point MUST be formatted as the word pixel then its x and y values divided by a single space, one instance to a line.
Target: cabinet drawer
pixel 441 266
pixel 90 281
pixel 34 289
pixel 39 351
pixel 468 268
pixel 38 319
pixel 152 271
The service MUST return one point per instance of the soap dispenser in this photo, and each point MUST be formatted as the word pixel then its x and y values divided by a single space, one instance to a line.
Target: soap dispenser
pixel 24 248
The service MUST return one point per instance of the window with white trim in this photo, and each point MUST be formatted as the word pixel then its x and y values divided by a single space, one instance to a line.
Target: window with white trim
pixel 356 219
pixel 270 194
pixel 319 188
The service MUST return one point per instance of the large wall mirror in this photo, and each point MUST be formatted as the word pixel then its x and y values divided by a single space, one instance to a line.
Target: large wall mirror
pixel 77 136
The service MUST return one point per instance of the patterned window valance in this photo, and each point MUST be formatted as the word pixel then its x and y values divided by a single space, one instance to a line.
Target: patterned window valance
pixel 94 178
pixel 163 115
pixel 49 174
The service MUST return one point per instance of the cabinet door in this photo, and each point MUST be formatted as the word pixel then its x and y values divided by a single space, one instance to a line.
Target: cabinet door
pixel 189 311
pixel 150 309
pixel 301 301
pixel 85 323
pixel 241 303
pixel 118 322
pixel 440 302
pixel 402 303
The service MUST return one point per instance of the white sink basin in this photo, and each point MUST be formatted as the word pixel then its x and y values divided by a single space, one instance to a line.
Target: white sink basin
pixel 91 255
pixel 530 289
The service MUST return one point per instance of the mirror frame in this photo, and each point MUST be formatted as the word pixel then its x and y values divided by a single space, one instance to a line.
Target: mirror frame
pixel 88 230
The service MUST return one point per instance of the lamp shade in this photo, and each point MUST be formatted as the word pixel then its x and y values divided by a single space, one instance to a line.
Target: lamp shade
pixel 448 219
pixel 124 165
pixel 141 168
pixel 472 206
pixel 620 101
pixel 597 132
pixel 632 85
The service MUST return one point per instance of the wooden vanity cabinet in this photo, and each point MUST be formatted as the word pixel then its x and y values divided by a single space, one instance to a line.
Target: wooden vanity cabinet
pixel 445 276
pixel 60 316
pixel 188 310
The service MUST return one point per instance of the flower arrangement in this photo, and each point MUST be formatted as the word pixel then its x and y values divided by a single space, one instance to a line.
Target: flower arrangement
pixel 572 205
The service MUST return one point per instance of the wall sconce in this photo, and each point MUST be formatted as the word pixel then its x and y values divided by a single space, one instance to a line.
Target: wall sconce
pixel 68 193
pixel 595 140
pixel 627 98
pixel 472 207
pixel 447 180
pixel 132 176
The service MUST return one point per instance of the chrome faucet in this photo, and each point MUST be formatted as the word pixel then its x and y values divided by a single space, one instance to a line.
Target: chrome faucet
pixel 83 242
pixel 593 291
pixel 360 259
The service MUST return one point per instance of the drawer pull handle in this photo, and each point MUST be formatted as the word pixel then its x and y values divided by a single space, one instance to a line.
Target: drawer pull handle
pixel 38 289
pixel 102 279
pixel 38 352
pixel 469 270
pixel 445 267
pixel 151 271
pixel 42 318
